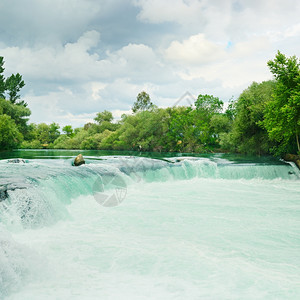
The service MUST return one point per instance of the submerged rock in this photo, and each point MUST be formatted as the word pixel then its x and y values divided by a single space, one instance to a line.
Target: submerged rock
pixel 17 161
pixel 4 189
pixel 3 193
pixel 79 160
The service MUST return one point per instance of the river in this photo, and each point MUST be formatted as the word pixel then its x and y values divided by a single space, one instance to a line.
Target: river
pixel 148 226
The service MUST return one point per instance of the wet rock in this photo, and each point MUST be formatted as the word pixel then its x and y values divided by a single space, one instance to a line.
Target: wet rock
pixel 17 161
pixel 293 158
pixel 8 187
pixel 79 160
pixel 3 193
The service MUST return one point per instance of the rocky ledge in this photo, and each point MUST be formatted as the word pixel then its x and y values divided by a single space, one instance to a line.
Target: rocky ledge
pixel 293 158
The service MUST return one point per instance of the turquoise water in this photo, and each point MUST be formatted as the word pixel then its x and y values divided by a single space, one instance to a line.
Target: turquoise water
pixel 162 227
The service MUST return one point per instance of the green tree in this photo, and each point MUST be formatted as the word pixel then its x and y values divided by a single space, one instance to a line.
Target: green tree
pixel 143 131
pixel 182 134
pixel 282 113
pixel 247 135
pixel 47 134
pixel 53 132
pixel 209 104
pixel 61 142
pixel 32 144
pixel 220 123
pixel 68 130
pixel 143 102
pixel 19 113
pixel 10 137
pixel 92 142
pixel 105 116
pixel 13 85
pixel 42 133
pixel 231 110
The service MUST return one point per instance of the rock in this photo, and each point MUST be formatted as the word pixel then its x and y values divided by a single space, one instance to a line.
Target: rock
pixel 294 158
pixel 79 160
pixel 4 189
pixel 3 193
pixel 17 161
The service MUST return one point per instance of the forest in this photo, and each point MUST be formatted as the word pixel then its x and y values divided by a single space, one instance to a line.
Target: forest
pixel 263 120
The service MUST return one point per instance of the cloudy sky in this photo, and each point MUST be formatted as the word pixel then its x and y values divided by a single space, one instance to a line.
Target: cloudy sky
pixel 80 57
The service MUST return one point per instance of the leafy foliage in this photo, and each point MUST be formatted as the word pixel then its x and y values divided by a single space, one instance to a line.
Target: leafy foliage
pixel 105 116
pixel 13 85
pixel 247 135
pixel 41 135
pixel 142 102
pixel 68 130
pixel 18 113
pixel 282 113
pixel 14 115
pixel 10 137
pixel 209 104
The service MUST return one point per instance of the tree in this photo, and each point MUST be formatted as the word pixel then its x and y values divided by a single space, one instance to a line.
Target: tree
pixel 47 134
pixel 42 133
pixel 209 104
pixel 13 85
pixel 53 132
pixel 247 135
pixel 10 137
pixel 19 113
pixel 220 123
pixel 231 109
pixel 104 116
pixel 142 102
pixel 182 133
pixel 282 113
pixel 14 115
pixel 68 130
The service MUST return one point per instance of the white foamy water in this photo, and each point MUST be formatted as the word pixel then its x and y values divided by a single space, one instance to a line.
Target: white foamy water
pixel 191 229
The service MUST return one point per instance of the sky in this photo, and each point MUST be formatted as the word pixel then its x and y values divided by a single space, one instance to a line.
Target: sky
pixel 80 57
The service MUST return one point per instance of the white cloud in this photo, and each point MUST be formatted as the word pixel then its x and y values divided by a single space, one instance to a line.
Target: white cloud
pixel 290 32
pixel 96 88
pixel 138 55
pixel 223 20
pixel 137 59
pixel 236 67
pixel 71 61
pixel 251 47
pixel 195 50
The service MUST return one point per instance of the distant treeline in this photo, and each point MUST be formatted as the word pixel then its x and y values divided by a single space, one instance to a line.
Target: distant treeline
pixel 265 119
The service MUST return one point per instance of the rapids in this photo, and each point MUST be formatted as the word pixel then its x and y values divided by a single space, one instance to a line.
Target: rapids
pixel 127 227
